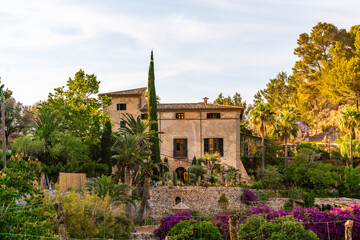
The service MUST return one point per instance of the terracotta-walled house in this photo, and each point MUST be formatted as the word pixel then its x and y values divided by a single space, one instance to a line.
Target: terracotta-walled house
pixel 189 129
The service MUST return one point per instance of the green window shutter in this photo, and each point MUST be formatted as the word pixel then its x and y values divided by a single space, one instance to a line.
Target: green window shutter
pixel 174 148
pixel 221 147
pixel 206 145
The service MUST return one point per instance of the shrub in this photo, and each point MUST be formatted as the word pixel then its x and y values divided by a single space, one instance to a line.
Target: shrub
pixel 169 221
pixel 261 195
pixel 272 178
pixel 248 197
pixel 90 216
pixel 221 221
pixel 258 227
pixel 18 186
pixel 192 230
pixel 223 202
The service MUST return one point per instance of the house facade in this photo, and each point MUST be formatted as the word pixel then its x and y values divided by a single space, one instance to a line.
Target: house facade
pixel 188 129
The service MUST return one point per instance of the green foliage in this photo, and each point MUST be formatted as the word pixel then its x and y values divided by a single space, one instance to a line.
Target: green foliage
pixel 175 178
pixel 105 186
pixel 128 152
pixel 257 227
pixel 152 113
pixel 29 145
pixel 75 107
pixel 311 152
pixel 308 198
pixel 106 143
pixel 278 91
pixel 198 170
pixel 213 179
pixel 223 202
pixel 19 179
pixel 350 186
pixel 90 216
pixel 18 117
pixel 311 175
pixel 74 159
pixel 192 230
pixel 18 183
pixel 272 178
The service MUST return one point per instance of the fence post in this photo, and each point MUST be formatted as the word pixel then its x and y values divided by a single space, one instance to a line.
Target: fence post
pixel 60 218
pixel 232 227
pixel 348 229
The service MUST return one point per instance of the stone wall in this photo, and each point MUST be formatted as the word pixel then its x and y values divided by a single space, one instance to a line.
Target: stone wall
pixel 203 199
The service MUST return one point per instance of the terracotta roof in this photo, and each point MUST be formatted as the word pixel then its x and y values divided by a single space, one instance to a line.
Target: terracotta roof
pixel 130 92
pixel 192 107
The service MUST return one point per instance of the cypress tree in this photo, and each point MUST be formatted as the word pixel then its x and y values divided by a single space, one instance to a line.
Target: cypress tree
pixel 106 146
pixel 152 113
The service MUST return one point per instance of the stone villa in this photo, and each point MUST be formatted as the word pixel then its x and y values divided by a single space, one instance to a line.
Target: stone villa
pixel 189 129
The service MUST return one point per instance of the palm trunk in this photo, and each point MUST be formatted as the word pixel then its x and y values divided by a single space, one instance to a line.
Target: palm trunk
pixel 140 216
pixel 351 157
pixel 262 157
pixel 286 162
pixel 128 191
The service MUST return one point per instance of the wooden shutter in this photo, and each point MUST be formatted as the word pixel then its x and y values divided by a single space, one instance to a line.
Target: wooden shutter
pixel 221 147
pixel 174 148
pixel 206 145
pixel 186 153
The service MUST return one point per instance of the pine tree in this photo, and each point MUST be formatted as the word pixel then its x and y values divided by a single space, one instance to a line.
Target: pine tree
pixel 152 113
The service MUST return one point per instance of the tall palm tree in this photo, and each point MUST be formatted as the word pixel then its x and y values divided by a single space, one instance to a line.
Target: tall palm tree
pixel 350 119
pixel 262 117
pixel 46 123
pixel 136 126
pixel 285 127
pixel 148 165
pixel 128 152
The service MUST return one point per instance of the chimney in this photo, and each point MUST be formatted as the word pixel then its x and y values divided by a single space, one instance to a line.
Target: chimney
pixel 205 99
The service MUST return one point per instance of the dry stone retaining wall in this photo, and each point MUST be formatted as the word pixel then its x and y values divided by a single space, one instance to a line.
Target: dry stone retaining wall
pixel 204 199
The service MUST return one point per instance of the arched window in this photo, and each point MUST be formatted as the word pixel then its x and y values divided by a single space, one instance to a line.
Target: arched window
pixel 177 200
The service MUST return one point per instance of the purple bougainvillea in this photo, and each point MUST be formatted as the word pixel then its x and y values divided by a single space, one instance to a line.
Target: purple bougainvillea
pixel 169 221
pixel 303 133
pixel 221 221
pixel 324 224
pixel 248 197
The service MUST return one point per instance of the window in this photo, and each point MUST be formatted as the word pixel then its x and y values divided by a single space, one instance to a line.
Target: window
pixel 213 145
pixel 180 115
pixel 246 149
pixel 213 115
pixel 144 116
pixel 180 147
pixel 122 124
pixel 121 106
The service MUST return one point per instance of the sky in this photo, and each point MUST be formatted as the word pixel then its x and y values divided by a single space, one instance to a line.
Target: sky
pixel 201 47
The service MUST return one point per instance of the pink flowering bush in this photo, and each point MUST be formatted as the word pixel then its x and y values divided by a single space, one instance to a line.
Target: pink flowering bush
pixel 221 221
pixel 248 197
pixel 324 224
pixel 169 221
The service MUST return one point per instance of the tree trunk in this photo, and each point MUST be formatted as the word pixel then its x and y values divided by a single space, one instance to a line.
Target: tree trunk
pixel 262 156
pixel 140 215
pixel 286 162
pixel 199 180
pixel 351 156
pixel 60 219
pixel 128 191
